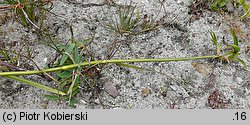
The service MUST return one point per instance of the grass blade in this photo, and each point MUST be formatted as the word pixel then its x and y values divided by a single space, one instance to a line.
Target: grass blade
pixel 240 61
pixel 52 97
pixel 68 50
pixel 214 39
pixel 247 14
pixel 222 3
pixel 37 85
pixel 236 41
pixel 235 48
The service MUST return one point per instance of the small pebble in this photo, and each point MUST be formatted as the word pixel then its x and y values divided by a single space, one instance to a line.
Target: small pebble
pixel 145 92
pixel 204 69
pixel 240 80
pixel 111 89
pixel 173 87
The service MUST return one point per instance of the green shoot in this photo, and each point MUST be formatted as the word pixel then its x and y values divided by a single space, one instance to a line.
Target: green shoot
pixel 216 4
pixel 233 49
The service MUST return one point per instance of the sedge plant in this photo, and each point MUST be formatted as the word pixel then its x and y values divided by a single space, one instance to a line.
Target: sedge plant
pixel 245 6
pixel 229 52
pixel 220 4
pixel 70 66
pixel 129 21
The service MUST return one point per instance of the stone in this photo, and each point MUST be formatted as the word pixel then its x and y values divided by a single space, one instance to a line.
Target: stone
pixel 145 92
pixel 111 89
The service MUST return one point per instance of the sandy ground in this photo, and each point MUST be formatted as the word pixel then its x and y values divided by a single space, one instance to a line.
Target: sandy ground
pixel 184 85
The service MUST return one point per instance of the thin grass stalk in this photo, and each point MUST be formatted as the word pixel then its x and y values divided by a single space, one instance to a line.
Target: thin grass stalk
pixel 67 67
pixel 37 85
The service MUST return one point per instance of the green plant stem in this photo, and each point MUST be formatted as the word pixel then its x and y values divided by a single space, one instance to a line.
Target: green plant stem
pixel 104 62
pixel 49 89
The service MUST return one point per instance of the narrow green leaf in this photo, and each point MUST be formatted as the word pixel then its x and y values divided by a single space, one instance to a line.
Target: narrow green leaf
pixel 214 39
pixel 236 41
pixel 63 75
pixel 214 5
pixel 83 42
pixel 62 47
pixel 246 7
pixel 75 92
pixel 73 102
pixel 29 52
pixel 76 85
pixel 240 61
pixel 241 1
pixel 5 55
pixel 69 51
pixel 247 14
pixel 233 55
pixel 77 79
pixel 110 26
pixel 228 53
pixel 76 56
pixel 37 85
pixel 62 86
pixel 222 3
pixel 52 97
pixel 235 48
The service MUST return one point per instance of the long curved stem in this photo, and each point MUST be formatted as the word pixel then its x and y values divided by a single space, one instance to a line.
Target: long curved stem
pixel 104 62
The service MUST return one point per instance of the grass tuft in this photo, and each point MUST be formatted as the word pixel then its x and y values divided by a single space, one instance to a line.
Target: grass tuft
pixel 131 22
pixel 29 12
